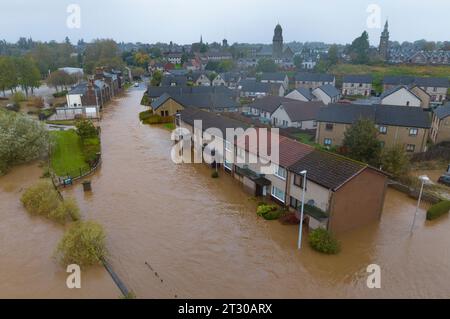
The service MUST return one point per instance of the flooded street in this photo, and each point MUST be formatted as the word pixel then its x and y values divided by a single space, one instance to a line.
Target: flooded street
pixel 202 235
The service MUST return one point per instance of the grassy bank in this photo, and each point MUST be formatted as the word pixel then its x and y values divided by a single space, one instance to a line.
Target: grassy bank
pixel 379 71
pixel 67 155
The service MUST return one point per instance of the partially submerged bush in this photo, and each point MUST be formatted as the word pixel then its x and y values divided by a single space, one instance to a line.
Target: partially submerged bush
pixel 82 244
pixel 264 209
pixel 273 215
pixel 322 241
pixel 438 210
pixel 43 200
pixel 40 199
pixel 145 115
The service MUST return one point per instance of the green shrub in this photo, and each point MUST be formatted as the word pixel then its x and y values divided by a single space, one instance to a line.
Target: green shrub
pixel 322 241
pixel 438 210
pixel 215 174
pixel 90 148
pixel 70 208
pixel 82 244
pixel 273 215
pixel 86 129
pixel 40 199
pixel 264 209
pixel 18 97
pixel 145 115
pixel 43 200
pixel 60 94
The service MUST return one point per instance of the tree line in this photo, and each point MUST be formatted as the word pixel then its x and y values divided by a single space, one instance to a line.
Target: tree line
pixel 18 72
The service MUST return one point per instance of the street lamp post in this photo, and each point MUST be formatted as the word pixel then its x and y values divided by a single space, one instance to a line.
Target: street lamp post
pixel 300 231
pixel 424 179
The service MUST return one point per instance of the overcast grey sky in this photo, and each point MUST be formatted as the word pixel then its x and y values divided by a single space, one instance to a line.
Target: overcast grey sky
pixel 182 21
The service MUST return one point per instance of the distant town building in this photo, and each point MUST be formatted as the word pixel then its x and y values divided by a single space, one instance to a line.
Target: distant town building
pixel 357 85
pixel 384 43
pixel 313 80
pixel 277 43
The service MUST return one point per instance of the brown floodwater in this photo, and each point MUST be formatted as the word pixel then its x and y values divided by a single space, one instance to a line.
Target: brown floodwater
pixel 27 244
pixel 203 239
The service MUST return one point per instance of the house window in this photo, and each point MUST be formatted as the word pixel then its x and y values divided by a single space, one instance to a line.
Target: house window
pixel 382 129
pixel 280 172
pixel 227 165
pixel 298 180
pixel 278 193
pixel 329 126
pixel 314 124
pixel 294 202
pixel 407 103
pixel 410 147
pixel 327 141
pixel 413 132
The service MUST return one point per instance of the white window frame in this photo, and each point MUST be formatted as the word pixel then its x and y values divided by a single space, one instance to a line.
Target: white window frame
pixel 277 170
pixel 416 130
pixel 273 193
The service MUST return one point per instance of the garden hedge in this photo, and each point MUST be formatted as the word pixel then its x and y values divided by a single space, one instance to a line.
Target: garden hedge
pixel 438 210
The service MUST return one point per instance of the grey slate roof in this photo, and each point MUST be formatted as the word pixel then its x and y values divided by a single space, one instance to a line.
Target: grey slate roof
pixel 314 77
pixel 209 120
pixel 432 82
pixel 299 111
pixel 330 90
pixel 156 91
pixel 380 114
pixel 273 76
pixel 179 80
pixel 328 169
pixel 443 111
pixel 160 101
pixel 358 78
pixel 269 103
pixel 305 92
pixel 217 101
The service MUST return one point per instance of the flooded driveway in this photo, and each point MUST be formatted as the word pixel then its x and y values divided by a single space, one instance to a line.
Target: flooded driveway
pixel 203 239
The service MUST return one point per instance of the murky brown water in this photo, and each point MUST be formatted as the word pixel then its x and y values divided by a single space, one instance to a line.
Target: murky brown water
pixel 27 269
pixel 203 238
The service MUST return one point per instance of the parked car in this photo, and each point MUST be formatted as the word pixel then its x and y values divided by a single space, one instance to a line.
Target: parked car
pixel 136 84
pixel 444 179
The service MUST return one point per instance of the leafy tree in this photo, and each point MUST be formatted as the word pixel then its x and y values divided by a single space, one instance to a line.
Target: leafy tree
pixel 359 49
pixel 22 140
pixel 266 65
pixel 137 72
pixel 61 79
pixel 102 53
pixel 212 76
pixel 360 142
pixel 82 244
pixel 156 78
pixel 28 74
pixel 333 55
pixel 395 161
pixel 298 60
pixel 8 74
pixel 141 59
pixel 86 129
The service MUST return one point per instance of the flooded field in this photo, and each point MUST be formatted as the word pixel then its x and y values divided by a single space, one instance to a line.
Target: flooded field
pixel 202 235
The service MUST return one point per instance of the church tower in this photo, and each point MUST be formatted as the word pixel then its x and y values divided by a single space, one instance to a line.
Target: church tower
pixel 277 45
pixel 384 43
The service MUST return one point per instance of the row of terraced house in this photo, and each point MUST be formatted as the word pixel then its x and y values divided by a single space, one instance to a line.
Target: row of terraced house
pixel 340 194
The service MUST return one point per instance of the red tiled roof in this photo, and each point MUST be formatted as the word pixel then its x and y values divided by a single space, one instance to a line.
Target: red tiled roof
pixel 290 151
